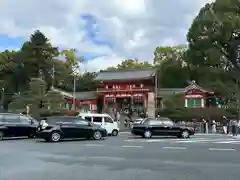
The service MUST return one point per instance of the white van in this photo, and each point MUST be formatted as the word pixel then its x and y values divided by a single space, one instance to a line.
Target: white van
pixel 104 120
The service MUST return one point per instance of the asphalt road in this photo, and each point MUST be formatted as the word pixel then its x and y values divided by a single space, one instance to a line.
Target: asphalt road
pixel 202 157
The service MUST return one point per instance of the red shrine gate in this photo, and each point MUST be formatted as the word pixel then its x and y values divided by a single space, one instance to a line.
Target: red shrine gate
pixel 125 91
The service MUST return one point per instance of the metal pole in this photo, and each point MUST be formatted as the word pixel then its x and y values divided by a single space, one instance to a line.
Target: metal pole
pixel 156 89
pixel 53 75
pixel 2 97
pixel 74 91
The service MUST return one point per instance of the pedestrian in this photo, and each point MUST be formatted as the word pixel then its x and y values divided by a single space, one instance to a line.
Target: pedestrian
pixel 234 124
pixel 214 130
pixel 118 116
pixel 204 125
pixel 225 124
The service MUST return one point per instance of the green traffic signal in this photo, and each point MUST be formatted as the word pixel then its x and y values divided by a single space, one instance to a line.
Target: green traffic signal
pixel 217 101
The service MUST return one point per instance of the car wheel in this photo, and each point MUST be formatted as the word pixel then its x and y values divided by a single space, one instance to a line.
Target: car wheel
pixel 1 135
pixel 147 134
pixel 56 136
pixel 185 134
pixel 114 132
pixel 97 135
pixel 31 136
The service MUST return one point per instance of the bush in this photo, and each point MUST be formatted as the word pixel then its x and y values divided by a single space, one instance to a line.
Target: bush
pixel 187 114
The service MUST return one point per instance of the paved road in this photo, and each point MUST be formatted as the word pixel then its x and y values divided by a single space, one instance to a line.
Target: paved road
pixel 122 157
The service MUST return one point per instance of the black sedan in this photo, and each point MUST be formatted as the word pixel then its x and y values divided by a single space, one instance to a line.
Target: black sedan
pixel 56 128
pixel 161 127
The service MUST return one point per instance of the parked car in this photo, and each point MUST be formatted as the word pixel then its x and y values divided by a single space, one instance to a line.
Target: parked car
pixel 57 128
pixel 104 120
pixel 17 125
pixel 161 127
pixel 136 121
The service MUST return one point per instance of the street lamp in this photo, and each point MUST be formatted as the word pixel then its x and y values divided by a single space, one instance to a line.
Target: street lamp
pixel 2 99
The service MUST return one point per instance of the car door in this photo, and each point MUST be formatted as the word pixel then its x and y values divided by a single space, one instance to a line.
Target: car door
pixel 68 127
pixel 98 120
pixel 156 126
pixel 169 128
pixel 109 124
pixel 83 129
pixel 24 126
pixel 13 123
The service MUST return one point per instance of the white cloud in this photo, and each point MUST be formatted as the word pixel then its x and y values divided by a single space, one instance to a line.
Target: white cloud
pixel 133 27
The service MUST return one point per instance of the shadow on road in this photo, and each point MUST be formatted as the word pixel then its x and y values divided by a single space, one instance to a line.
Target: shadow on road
pixel 68 140
pixel 15 138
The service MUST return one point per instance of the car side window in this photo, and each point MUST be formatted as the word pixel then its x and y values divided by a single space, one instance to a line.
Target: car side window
pixel 167 123
pixel 108 120
pixel 1 119
pixel 12 119
pixel 24 120
pixel 155 122
pixel 88 118
pixel 81 122
pixel 97 119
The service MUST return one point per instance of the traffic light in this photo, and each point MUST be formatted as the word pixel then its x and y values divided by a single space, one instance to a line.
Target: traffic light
pixel 218 101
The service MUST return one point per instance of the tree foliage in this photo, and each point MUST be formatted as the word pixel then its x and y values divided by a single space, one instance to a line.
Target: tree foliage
pixel 131 64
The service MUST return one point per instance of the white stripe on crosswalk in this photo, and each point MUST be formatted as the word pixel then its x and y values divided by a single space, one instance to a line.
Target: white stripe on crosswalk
pixel 194 140
pixel 226 142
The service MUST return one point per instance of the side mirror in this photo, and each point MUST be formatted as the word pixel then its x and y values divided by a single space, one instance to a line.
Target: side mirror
pixel 89 124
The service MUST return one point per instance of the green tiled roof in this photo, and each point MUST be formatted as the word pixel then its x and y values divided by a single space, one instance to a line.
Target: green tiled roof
pixel 162 92
pixel 79 95
pixel 86 95
pixel 125 74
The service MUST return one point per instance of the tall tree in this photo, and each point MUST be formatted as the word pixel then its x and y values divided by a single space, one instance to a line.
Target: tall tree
pixel 38 54
pixel 172 70
pixel 211 34
pixel 131 64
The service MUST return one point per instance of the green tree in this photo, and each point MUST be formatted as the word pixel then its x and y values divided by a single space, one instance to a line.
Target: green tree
pixel 54 100
pixel 211 55
pixel 38 55
pixel 36 93
pixel 131 64
pixel 172 70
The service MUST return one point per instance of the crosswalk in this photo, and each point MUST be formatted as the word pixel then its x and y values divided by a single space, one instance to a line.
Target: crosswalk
pixel 192 140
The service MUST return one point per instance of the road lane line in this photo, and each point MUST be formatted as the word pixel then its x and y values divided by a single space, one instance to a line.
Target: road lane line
pixel 226 142
pixel 94 145
pixel 220 149
pixel 178 148
pixel 132 146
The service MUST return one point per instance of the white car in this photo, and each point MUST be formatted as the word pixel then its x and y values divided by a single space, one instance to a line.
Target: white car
pixel 104 120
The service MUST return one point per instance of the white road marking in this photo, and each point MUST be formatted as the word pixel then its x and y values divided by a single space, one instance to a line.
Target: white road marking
pixel 220 149
pixel 179 148
pixel 107 158
pixel 94 145
pixel 132 146
pixel 226 142
pixel 203 140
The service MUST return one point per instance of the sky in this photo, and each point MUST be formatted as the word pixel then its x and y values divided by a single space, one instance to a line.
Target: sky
pixel 105 32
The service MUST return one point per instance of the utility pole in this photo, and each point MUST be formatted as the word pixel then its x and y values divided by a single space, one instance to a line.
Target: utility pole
pixel 74 91
pixel 53 75
pixel 156 89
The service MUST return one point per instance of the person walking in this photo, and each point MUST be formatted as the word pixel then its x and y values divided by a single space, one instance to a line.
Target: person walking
pixel 214 129
pixel 234 125
pixel 204 125
pixel 225 125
